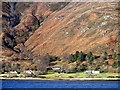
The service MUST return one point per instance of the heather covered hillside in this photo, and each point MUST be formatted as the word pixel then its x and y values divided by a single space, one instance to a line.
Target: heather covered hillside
pixel 77 26
pixel 75 36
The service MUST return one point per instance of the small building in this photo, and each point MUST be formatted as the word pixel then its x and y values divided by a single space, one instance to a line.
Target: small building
pixel 13 72
pixel 92 72
pixel 96 72
pixel 88 72
pixel 56 68
pixel 28 71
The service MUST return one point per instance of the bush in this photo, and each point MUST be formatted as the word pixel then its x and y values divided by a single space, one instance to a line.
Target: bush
pixel 116 64
pixel 103 70
pixel 41 76
pixel 71 77
pixel 104 56
pixel 118 56
pixel 111 77
pixel 117 76
pixel 54 58
pixel 82 68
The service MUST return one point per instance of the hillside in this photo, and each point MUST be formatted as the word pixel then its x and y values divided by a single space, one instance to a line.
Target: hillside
pixel 31 30
pixel 76 27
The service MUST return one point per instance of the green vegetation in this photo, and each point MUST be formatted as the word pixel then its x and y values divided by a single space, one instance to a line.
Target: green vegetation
pixel 116 64
pixel 74 66
pixel 80 75
pixel 78 56
pixel 90 57
pixel 81 56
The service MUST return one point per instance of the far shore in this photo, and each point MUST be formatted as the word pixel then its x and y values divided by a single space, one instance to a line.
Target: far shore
pixel 69 79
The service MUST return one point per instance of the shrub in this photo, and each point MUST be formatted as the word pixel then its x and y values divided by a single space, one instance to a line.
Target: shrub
pixel 118 56
pixel 54 58
pixel 116 64
pixel 82 68
pixel 41 77
pixel 104 56
pixel 111 77
pixel 71 77
pixel 117 76
pixel 103 70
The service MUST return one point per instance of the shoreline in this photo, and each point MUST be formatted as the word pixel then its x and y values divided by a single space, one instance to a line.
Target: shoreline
pixel 68 79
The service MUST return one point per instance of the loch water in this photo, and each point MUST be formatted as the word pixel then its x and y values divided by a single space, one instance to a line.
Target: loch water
pixel 57 84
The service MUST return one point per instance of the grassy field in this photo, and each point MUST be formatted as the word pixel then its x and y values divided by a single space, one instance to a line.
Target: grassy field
pixel 80 75
pixel 67 76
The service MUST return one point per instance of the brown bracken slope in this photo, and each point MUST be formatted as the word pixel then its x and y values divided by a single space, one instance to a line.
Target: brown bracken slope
pixel 62 28
pixel 75 27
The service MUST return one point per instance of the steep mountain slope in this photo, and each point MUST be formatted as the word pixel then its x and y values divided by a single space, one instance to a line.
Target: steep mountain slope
pixel 76 27
pixel 11 16
pixel 60 28
pixel 55 29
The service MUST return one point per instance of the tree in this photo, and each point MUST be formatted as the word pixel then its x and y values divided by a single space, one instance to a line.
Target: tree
pixel 90 57
pixel 42 62
pixel 77 54
pixel 7 67
pixel 81 56
pixel 72 59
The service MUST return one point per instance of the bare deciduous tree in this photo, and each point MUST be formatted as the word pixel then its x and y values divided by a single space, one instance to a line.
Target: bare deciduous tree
pixel 42 62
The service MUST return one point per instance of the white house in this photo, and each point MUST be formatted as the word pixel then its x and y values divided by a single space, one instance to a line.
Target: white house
pixel 96 72
pixel 56 68
pixel 92 72
pixel 13 72
pixel 28 71
pixel 88 72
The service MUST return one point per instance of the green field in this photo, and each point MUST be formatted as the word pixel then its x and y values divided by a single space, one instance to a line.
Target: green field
pixel 66 75
pixel 80 75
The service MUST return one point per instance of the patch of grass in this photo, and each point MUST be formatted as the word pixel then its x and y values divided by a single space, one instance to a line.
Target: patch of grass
pixel 20 75
pixel 70 75
pixel 73 75
pixel 80 75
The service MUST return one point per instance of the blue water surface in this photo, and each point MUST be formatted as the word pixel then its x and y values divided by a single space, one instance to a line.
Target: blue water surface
pixel 58 84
